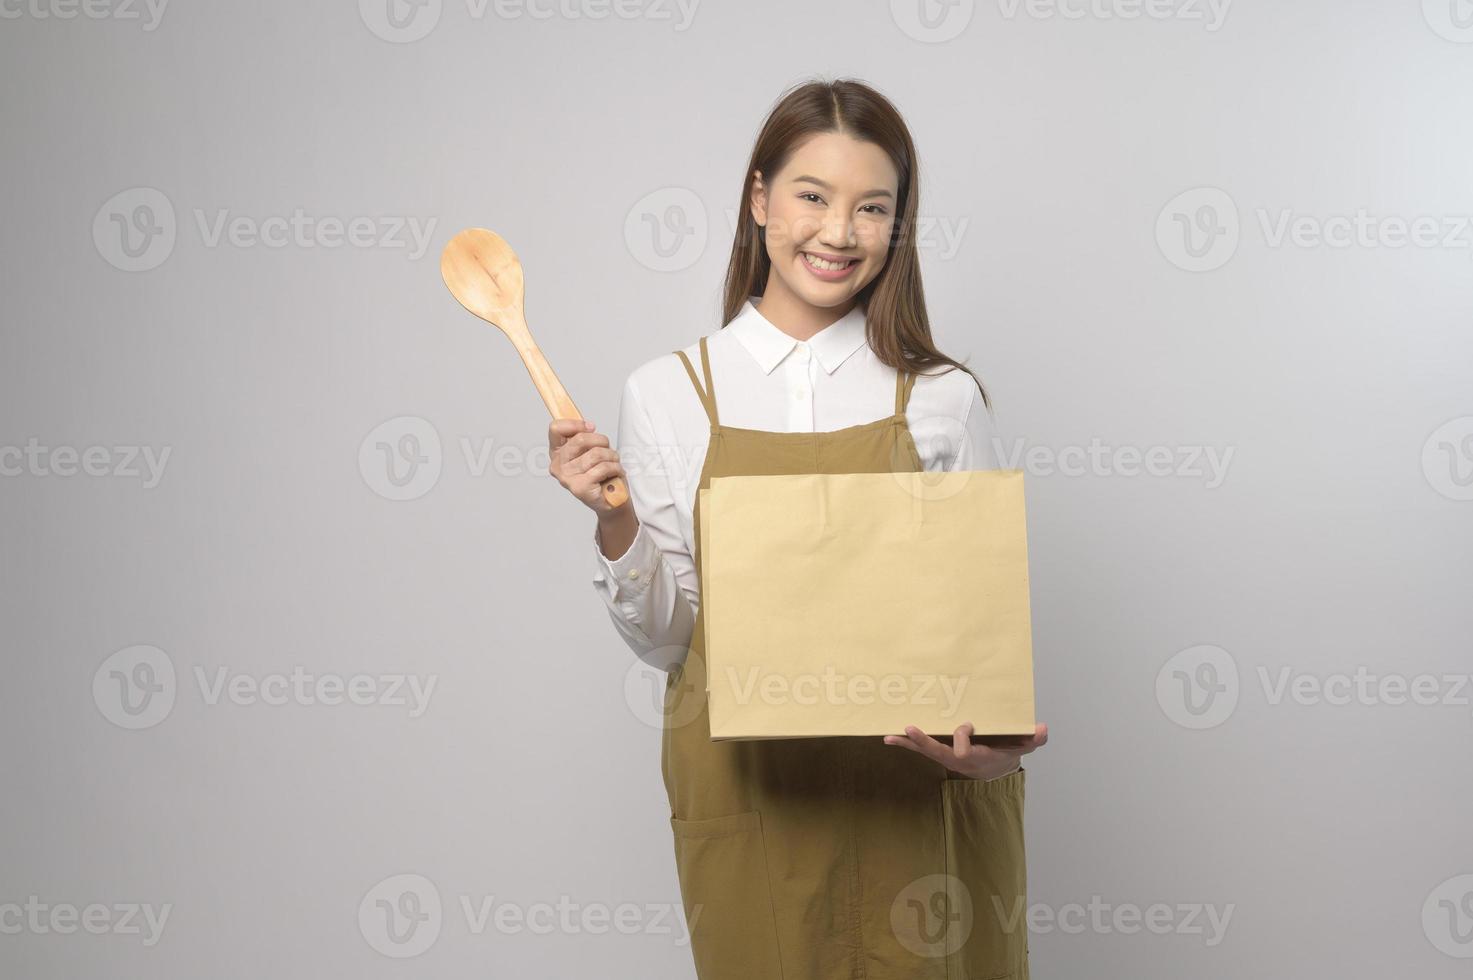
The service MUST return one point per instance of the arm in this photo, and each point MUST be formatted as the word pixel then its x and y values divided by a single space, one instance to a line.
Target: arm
pixel 975 449
pixel 649 604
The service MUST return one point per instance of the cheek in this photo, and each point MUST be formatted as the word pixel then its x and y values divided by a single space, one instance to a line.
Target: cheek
pixel 789 227
pixel 874 237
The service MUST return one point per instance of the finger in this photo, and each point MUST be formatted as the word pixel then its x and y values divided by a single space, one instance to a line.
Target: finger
pixel 961 741
pixel 561 429
pixel 578 445
pixel 583 440
pixel 928 746
pixel 1037 740
pixel 589 458
pixel 902 741
pixel 604 472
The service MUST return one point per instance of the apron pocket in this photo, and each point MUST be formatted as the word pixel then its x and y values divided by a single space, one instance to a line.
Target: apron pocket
pixel 983 825
pixel 722 863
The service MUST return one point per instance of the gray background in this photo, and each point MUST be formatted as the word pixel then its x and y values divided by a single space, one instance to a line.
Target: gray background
pixel 1066 151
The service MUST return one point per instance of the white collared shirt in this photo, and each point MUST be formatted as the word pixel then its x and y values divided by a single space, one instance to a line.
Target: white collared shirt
pixel 764 379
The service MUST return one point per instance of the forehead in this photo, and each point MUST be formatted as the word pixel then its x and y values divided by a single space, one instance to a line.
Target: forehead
pixel 843 162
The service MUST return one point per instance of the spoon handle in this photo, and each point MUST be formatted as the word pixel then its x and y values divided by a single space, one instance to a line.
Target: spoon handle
pixel 560 404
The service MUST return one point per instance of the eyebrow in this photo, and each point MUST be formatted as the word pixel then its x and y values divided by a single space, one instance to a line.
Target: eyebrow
pixel 879 192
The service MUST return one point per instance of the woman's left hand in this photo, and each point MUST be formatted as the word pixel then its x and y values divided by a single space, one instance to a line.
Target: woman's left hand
pixel 989 757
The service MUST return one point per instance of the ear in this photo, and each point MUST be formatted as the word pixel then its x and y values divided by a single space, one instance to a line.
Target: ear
pixel 758 202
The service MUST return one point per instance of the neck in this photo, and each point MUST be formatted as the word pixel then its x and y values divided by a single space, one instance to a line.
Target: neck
pixel 794 315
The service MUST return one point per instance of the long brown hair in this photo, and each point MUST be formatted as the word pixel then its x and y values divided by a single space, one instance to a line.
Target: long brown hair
pixel 894 303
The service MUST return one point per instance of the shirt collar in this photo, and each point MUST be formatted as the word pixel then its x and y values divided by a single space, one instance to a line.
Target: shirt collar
pixel 768 345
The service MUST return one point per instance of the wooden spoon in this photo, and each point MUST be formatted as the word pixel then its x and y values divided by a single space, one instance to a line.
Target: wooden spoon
pixel 483 273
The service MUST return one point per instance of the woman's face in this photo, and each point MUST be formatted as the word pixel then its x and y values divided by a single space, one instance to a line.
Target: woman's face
pixel 828 215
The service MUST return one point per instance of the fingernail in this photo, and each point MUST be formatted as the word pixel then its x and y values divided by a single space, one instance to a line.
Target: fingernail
pixel 587 424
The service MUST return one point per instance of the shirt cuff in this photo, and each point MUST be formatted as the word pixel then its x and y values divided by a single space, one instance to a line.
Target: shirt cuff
pixel 630 574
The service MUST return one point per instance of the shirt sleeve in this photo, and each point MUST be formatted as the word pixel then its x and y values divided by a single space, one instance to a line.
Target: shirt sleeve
pixel 642 588
pixel 976 448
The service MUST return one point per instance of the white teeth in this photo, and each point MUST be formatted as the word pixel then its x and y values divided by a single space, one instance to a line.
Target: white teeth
pixel 823 264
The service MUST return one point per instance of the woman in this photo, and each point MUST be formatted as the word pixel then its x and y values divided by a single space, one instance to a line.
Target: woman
pixel 830 858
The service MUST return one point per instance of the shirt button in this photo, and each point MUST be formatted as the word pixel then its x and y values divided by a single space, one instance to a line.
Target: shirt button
pixel 634 574
pixel 798 394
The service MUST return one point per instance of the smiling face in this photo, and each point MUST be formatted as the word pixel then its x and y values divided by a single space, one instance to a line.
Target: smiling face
pixel 828 215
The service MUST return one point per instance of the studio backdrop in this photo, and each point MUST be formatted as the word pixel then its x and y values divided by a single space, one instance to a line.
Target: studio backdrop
pixel 305 673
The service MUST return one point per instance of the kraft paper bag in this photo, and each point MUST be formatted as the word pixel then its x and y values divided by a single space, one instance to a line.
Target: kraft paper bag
pixel 860 603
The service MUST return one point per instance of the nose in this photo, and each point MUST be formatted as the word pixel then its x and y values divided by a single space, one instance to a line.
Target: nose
pixel 837 230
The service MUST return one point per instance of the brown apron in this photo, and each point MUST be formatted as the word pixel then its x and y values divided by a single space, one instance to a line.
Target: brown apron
pixel 834 858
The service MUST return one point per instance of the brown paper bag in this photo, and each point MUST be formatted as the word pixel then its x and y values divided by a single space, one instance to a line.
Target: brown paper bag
pixel 860 603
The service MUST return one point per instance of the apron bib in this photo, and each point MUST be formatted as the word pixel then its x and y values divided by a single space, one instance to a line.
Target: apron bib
pixel 834 858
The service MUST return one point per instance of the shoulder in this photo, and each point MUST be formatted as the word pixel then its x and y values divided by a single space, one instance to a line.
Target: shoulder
pixel 948 392
pixel 951 424
pixel 662 382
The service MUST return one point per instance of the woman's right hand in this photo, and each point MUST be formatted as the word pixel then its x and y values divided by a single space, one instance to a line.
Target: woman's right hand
pixel 582 461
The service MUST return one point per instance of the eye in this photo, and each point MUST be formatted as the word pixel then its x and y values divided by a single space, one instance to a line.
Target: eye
pixel 805 195
pixel 878 209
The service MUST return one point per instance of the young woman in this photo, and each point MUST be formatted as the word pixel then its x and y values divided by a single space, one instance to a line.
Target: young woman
pixel 899 858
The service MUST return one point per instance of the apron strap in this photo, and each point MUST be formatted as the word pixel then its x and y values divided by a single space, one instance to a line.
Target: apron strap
pixel 707 395
pixel 904 382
